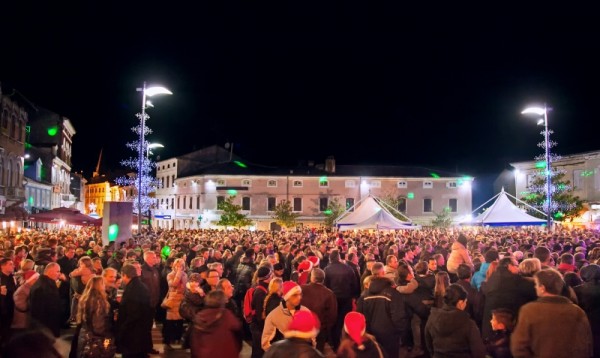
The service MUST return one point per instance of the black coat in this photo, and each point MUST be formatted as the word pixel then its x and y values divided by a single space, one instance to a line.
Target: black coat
pixel 135 319
pixel 7 303
pixel 151 278
pixel 450 332
pixel 588 296
pixel 293 348
pixel 386 314
pixel 505 290
pixel 44 304
pixel 341 279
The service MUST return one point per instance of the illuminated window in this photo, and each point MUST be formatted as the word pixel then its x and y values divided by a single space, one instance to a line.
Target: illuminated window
pixel 323 183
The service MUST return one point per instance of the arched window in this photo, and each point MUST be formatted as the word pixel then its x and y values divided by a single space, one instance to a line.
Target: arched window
pixel 17 175
pixel 1 171
pixel 9 174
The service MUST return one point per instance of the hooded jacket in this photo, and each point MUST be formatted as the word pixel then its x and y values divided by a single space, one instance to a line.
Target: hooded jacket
pixel 450 332
pixel 214 334
pixel 458 255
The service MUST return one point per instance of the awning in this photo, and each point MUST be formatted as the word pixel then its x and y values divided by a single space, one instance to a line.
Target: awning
pixel 14 213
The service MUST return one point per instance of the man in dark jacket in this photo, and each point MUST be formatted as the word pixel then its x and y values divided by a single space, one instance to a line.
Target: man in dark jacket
pixel 340 279
pixel 8 286
pixel 151 279
pixel 67 263
pixel 135 315
pixel 244 272
pixel 473 296
pixel 505 289
pixel 321 300
pixel 386 314
pixel 44 300
pixel 264 275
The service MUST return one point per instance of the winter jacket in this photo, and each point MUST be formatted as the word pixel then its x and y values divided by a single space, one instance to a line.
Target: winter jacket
pixel 244 273
pixel 386 314
pixel 479 276
pixel 369 349
pixel 552 327
pixel 177 282
pixel 498 345
pixel 588 296
pixel 293 348
pixel 258 304
pixel 135 319
pixel 214 334
pixel 320 300
pixel 450 332
pixel 458 255
pixel 21 297
pixel 44 305
pixel 151 278
pixel 277 322
pixel 341 279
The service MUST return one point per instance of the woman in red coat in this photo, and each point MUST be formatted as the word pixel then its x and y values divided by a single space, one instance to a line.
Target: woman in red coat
pixel 214 331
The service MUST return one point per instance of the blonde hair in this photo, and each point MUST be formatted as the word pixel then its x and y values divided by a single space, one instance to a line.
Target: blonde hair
pixel 275 286
pixel 93 300
pixel 530 266
pixel 27 265
pixel 182 261
pixel 442 281
pixel 87 262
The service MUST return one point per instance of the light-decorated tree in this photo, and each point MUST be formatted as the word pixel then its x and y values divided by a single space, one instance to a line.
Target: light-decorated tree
pixel 563 203
pixel 284 214
pixel 333 211
pixel 149 183
pixel 231 214
pixel 442 219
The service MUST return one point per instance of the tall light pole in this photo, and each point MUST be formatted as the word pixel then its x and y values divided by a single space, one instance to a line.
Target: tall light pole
pixel 544 111
pixel 152 146
pixel 146 92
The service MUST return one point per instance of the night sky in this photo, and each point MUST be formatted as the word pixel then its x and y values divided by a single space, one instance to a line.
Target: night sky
pixel 376 83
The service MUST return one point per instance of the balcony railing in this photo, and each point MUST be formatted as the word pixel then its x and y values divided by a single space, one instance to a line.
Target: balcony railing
pixel 16 194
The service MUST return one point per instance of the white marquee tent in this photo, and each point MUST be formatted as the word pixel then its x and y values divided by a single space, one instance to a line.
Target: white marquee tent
pixel 504 213
pixel 371 213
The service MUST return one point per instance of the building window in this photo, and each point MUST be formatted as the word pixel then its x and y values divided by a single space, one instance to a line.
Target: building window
pixel 173 180
pixel 428 184
pixel 297 184
pixel 451 185
pixel 350 184
pixel 221 182
pixel 297 204
pixel 246 203
pixel 350 204
pixel 168 166
pixel 402 184
pixel 401 205
pixel 198 202
pixel 427 205
pixel 577 179
pixel 272 183
pixel 172 202
pixel 323 204
pixel 453 205
pixel 174 165
pixel 190 203
pixel 220 200
pixel 246 182
pixel 323 183
pixel 375 184
pixel 271 203
pixel 178 200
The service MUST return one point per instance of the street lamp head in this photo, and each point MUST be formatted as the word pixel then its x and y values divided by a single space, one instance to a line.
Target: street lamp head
pixel 152 91
pixel 155 145
pixel 149 104
pixel 534 110
pixel 540 122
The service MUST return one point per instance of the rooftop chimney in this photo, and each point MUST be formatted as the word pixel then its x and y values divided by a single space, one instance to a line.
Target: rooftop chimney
pixel 330 164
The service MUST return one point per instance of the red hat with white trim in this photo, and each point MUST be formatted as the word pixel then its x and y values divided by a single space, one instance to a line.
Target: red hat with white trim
pixel 315 260
pixel 305 324
pixel 355 325
pixel 305 266
pixel 290 288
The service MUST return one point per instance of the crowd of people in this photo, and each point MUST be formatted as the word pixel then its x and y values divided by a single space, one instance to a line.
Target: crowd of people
pixel 471 292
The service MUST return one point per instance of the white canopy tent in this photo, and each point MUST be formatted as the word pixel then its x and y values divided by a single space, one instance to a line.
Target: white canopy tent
pixel 504 213
pixel 372 213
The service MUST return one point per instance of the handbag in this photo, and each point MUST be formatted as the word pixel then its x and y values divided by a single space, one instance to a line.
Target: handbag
pixel 98 347
pixel 169 300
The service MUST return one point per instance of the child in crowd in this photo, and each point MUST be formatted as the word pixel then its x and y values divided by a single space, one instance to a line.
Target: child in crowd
pixel 498 345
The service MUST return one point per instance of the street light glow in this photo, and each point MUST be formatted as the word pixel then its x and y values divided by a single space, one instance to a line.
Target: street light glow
pixel 155 145
pixel 534 110
pixel 153 91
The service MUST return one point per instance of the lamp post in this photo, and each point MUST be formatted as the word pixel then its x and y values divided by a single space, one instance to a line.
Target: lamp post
pixel 146 92
pixel 152 146
pixel 539 111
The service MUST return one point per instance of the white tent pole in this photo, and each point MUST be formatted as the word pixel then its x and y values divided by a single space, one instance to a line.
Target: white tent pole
pixel 342 215
pixel 383 203
pixel 480 206
pixel 527 205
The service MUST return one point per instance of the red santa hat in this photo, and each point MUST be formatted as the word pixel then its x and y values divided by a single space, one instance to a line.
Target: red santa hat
pixel 355 325
pixel 290 288
pixel 305 324
pixel 315 260
pixel 305 266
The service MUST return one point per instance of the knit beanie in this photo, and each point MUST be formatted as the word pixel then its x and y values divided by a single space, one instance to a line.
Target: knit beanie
pixel 263 273
pixel 305 324
pixel 290 288
pixel 355 326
